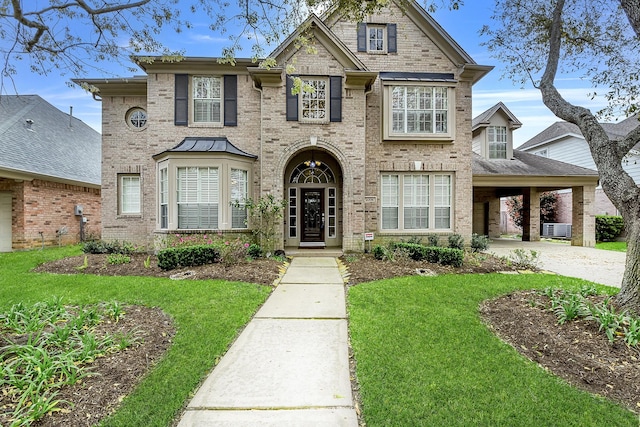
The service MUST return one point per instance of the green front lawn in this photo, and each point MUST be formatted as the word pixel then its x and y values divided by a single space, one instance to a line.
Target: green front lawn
pixel 612 246
pixel 424 358
pixel 208 316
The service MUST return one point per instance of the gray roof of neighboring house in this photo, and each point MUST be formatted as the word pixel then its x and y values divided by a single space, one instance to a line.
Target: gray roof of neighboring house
pixel 484 118
pixel 207 145
pixel 561 129
pixel 38 139
pixel 524 164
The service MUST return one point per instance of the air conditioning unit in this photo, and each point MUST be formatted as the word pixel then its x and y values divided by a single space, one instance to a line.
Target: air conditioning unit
pixel 556 230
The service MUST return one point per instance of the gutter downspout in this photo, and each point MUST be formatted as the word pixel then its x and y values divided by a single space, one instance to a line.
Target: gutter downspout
pixel 261 132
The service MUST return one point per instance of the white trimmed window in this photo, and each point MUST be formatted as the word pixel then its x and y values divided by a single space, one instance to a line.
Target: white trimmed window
pixel 418 112
pixel 164 198
pixel 497 136
pixel 198 197
pixel 207 95
pixel 129 199
pixel 423 199
pixel 376 38
pixel 313 101
pixel 239 193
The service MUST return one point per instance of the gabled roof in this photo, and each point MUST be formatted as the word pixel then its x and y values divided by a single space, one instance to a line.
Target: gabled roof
pixel 39 141
pixel 560 130
pixel 327 38
pixel 484 119
pixel 216 144
pixel 432 29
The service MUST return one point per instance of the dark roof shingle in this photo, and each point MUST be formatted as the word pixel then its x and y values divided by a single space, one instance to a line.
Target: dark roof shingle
pixel 37 138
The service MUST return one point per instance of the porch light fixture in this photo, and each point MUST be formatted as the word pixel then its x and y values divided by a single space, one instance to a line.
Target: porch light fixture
pixel 312 163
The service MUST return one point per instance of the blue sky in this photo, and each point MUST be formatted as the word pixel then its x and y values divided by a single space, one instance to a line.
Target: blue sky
pixel 463 25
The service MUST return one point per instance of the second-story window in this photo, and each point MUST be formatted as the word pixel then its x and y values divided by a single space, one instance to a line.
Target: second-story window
pixel 419 110
pixel 313 105
pixel 207 91
pixel 497 136
pixel 377 35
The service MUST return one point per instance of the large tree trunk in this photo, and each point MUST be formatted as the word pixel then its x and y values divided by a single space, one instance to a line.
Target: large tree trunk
pixel 629 295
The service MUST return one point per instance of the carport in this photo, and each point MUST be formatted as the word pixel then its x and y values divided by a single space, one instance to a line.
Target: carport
pixel 530 175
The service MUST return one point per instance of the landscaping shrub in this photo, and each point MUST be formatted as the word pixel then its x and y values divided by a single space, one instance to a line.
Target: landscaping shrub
pixel 479 243
pixel 608 227
pixel 456 241
pixel 451 256
pixel 113 247
pixel 254 251
pixel 432 254
pixel 187 256
pixel 433 239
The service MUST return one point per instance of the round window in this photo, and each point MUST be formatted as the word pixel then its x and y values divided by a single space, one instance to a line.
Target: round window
pixel 137 118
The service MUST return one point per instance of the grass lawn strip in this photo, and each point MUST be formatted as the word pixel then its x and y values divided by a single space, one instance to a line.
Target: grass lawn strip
pixel 425 358
pixel 207 314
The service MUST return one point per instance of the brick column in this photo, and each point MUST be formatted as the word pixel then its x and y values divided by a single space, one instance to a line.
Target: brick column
pixel 583 221
pixel 494 217
pixel 530 214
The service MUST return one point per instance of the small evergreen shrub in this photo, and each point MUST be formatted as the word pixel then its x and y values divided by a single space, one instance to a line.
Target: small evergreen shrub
pixel 608 227
pixel 451 256
pixel 102 247
pixel 188 256
pixel 456 241
pixel 433 239
pixel 479 243
pixel 254 251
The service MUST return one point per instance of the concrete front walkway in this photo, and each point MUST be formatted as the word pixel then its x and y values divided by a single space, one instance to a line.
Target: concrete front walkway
pixel 596 265
pixel 290 366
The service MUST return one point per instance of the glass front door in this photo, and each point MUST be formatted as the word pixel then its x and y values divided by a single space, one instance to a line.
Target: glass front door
pixel 313 215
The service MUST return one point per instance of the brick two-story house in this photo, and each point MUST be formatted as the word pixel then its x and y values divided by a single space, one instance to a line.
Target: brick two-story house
pixel 382 143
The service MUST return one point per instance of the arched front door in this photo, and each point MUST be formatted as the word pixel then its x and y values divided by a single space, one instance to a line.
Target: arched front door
pixel 313 211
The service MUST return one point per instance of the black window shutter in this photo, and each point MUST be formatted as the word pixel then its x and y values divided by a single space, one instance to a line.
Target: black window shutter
pixel 181 106
pixel 335 105
pixel 292 102
pixel 362 37
pixel 231 100
pixel 392 38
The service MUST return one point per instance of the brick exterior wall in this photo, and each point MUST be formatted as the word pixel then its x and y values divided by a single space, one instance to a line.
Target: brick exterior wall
pixel 48 207
pixel 355 144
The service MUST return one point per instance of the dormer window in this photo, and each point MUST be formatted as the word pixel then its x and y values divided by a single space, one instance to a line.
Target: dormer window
pixel 377 42
pixel 497 139
pixel 377 38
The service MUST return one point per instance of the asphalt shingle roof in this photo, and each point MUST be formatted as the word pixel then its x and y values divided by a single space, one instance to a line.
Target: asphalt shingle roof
pixel 55 144
pixel 524 164
pixel 560 129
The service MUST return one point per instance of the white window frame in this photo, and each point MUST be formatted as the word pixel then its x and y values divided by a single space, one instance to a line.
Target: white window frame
pixel 312 106
pixel 213 95
pixel 239 187
pixel 129 200
pixel 433 101
pixel 377 34
pixel 194 188
pixel 497 142
pixel 408 193
pixel 163 213
pixel 137 118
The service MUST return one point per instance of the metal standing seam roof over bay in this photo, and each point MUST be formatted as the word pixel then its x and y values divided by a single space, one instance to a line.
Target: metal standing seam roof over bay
pixel 37 140
pixel 206 145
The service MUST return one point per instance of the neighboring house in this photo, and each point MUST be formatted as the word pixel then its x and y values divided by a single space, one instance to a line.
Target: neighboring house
pixel 49 175
pixel 501 171
pixel 563 141
pixel 381 144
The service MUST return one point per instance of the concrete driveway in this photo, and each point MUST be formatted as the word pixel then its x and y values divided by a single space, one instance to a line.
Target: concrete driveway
pixel 605 267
